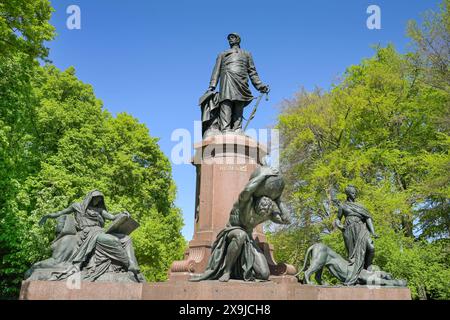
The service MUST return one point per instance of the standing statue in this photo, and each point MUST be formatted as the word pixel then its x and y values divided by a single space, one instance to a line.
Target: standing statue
pixel 233 68
pixel 83 245
pixel 235 253
pixel 357 231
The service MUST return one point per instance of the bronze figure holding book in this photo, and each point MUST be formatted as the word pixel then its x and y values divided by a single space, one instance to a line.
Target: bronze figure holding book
pixel 83 245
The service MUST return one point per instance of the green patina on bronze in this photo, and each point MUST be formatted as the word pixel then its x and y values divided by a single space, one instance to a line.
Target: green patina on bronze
pixel 235 254
pixel 83 245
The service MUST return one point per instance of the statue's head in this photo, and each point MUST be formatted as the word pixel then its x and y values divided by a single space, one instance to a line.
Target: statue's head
pixel 96 199
pixel 234 39
pixel 264 206
pixel 351 192
pixel 267 208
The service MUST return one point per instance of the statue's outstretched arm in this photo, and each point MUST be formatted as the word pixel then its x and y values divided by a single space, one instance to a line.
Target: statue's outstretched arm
pixel 55 215
pixel 109 216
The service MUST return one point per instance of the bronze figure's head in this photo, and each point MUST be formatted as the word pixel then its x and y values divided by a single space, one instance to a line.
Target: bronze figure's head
pixel 234 39
pixel 351 192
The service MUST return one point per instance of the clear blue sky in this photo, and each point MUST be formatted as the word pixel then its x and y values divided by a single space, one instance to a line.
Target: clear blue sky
pixel 153 59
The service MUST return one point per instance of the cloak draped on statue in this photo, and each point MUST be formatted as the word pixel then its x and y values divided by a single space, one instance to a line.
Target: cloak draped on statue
pixel 97 252
pixel 242 269
pixel 356 236
pixel 254 206
pixel 209 104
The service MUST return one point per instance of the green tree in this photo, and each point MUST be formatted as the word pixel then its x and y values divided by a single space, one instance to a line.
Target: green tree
pixel 24 27
pixel 82 147
pixel 381 130
pixel 57 142
pixel 431 42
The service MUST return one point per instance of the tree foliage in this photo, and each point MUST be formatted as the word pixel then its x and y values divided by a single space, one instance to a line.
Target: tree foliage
pixel 24 26
pixel 57 142
pixel 384 129
pixel 432 44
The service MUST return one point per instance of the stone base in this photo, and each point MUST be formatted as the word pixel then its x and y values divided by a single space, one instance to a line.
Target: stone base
pixel 122 277
pixel 280 288
pixel 283 290
pixel 62 290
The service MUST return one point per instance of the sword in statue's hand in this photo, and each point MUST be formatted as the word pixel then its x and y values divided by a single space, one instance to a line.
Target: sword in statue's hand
pixel 252 115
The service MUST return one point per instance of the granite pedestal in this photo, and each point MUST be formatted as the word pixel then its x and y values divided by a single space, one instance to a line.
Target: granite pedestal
pixel 280 288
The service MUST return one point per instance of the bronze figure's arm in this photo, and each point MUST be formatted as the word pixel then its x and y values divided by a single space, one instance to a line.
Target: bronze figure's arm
pixel 337 221
pixel 55 215
pixel 109 216
pixel 369 223
pixel 284 212
pixel 250 188
pixel 254 183
pixel 254 77
pixel 216 73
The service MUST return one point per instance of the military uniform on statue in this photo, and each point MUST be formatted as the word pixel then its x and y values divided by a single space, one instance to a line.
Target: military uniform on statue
pixel 233 68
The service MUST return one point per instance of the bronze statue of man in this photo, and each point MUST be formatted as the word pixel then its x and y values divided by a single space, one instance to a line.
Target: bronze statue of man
pixel 233 68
